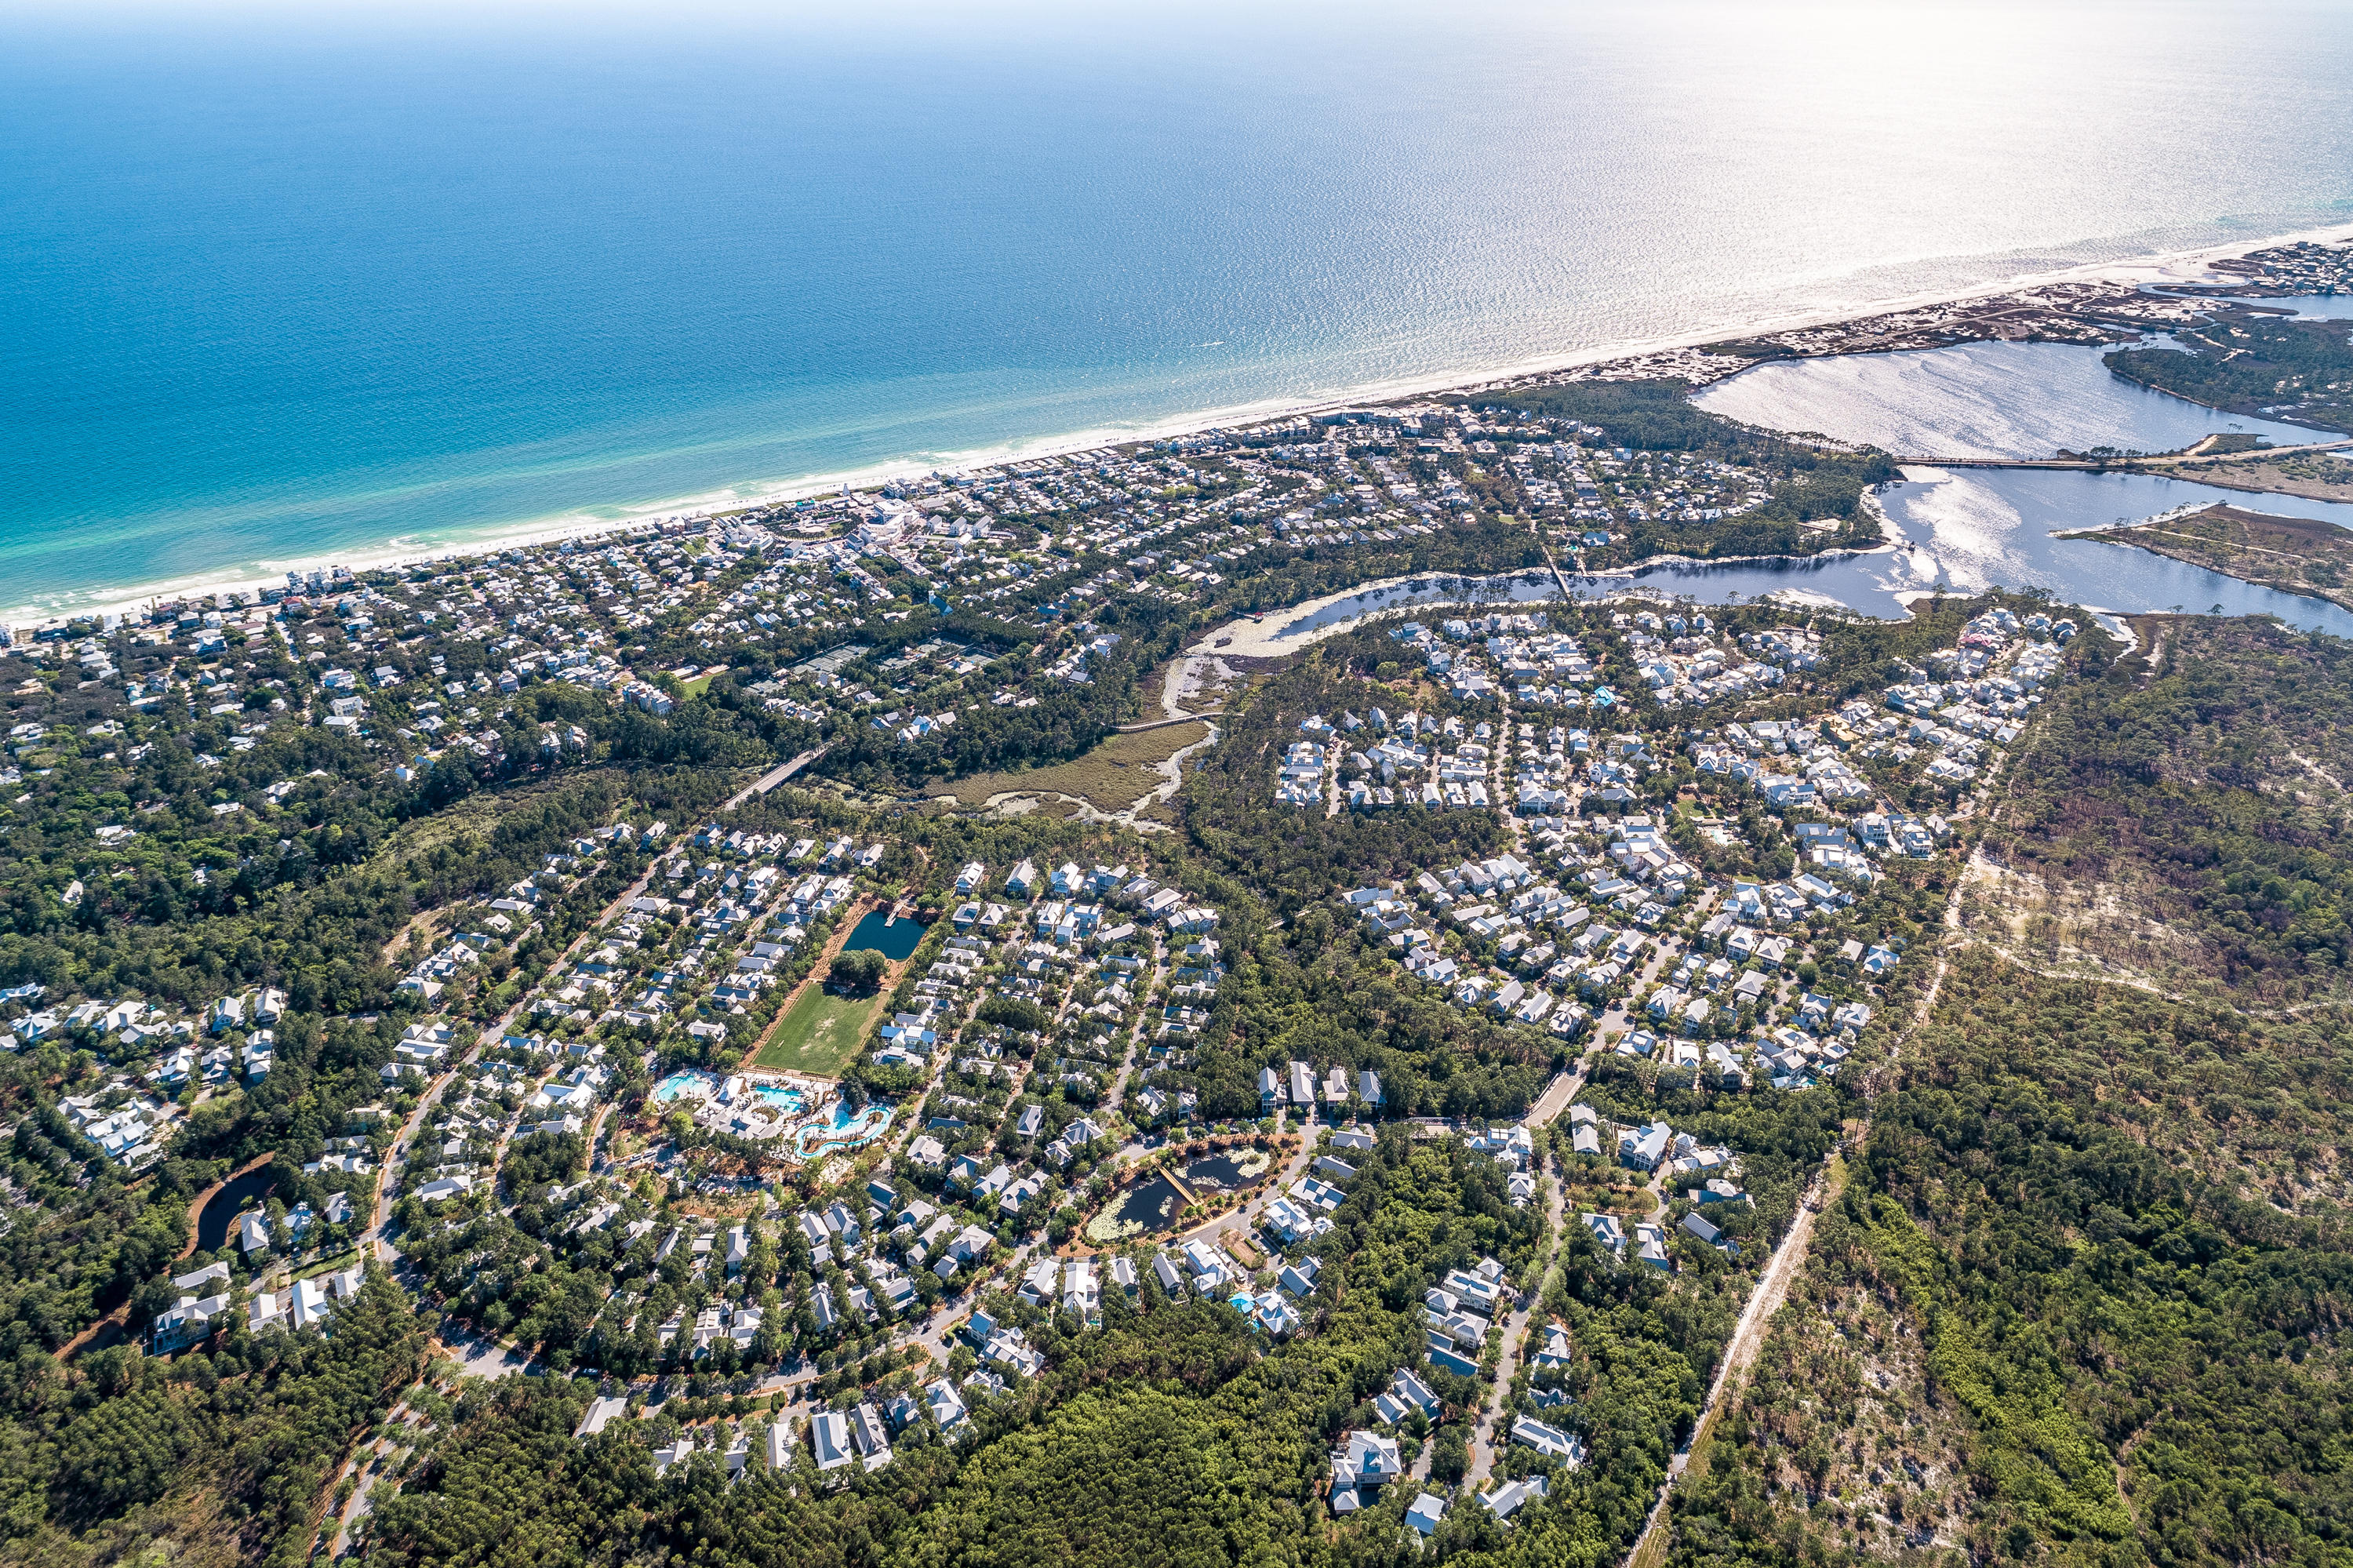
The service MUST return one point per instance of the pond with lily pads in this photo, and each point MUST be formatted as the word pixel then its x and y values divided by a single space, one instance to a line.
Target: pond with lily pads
pixel 1144 1209
pixel 1227 1171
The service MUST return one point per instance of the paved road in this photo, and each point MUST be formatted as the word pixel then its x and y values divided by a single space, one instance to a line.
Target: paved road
pixel 1117 1097
pixel 1500 793
pixel 479 1355
pixel 373 1459
pixel 388 1182
pixel 1774 1288
pixel 775 775
pixel 1656 1187
pixel 1558 1094
pixel 1665 947
pixel 1484 1446
pixel 356 1509
pixel 947 1043
pixel 1748 1336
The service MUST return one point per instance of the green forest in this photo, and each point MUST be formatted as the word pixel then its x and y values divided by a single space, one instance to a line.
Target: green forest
pixel 2082 1298
pixel 2196 775
pixel 2069 1317
pixel 398 1169
pixel 2250 362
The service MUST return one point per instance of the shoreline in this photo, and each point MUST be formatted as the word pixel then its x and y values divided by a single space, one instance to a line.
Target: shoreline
pixel 2139 533
pixel 2145 270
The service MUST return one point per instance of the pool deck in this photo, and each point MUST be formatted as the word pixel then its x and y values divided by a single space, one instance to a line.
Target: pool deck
pixel 784 1079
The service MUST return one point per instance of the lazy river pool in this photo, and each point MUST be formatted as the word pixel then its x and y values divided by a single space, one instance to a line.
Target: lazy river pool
pixel 845 1129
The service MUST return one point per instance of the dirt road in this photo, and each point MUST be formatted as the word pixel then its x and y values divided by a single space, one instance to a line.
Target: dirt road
pixel 1748 1336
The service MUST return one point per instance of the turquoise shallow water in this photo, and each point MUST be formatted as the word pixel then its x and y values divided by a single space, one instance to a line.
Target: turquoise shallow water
pixel 285 287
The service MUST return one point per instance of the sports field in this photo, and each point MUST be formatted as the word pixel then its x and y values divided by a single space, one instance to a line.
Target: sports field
pixel 819 1033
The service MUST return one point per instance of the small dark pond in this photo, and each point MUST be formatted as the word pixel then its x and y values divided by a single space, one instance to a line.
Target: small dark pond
pixel 214 1220
pixel 1228 1172
pixel 1150 1205
pixel 894 940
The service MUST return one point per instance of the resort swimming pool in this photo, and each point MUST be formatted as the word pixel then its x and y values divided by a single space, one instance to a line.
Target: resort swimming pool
pixel 844 1129
pixel 683 1082
pixel 848 1129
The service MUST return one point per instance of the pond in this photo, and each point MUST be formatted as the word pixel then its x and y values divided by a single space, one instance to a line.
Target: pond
pixel 893 940
pixel 1148 1206
pixel 1228 1171
pixel 220 1211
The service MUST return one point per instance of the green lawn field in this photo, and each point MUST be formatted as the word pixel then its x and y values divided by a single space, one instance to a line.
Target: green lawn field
pixel 819 1033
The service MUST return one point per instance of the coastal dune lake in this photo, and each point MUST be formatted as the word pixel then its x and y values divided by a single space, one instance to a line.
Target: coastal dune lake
pixel 1979 399
pixel 1971 528
pixel 340 283
pixel 1960 530
pixel 1966 528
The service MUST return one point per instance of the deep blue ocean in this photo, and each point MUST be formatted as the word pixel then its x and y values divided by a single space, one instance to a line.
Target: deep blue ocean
pixel 282 286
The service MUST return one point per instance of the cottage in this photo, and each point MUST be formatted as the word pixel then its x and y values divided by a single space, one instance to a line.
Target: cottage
pixel 1549 1441
pixel 601 1412
pixel 829 1437
pixel 1504 1500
